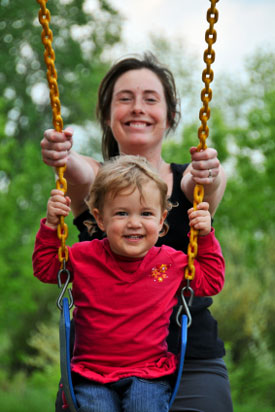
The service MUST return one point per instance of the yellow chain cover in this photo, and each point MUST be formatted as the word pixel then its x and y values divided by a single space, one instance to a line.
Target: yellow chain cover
pixel 44 17
pixel 203 131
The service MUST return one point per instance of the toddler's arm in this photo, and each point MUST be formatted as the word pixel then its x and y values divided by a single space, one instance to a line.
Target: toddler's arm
pixel 209 263
pixel 45 256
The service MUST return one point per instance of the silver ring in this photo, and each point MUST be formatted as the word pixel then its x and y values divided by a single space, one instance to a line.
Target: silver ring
pixel 210 172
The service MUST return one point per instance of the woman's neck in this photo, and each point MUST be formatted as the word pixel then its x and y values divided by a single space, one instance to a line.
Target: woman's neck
pixel 157 162
pixel 153 157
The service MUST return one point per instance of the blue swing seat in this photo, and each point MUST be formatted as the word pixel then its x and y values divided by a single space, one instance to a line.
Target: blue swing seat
pixel 70 402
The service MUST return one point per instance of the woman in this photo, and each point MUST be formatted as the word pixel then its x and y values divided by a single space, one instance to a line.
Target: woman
pixel 137 107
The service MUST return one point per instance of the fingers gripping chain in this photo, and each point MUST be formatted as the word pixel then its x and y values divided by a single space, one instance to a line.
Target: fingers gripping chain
pixel 203 131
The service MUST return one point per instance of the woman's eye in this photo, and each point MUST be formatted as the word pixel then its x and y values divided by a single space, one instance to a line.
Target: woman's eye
pixel 124 99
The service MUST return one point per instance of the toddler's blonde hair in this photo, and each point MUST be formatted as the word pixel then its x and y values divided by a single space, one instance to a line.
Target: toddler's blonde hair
pixel 120 173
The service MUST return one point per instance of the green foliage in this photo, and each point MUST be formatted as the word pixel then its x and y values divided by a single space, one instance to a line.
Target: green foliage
pixel 249 202
pixel 242 129
pixel 36 389
pixel 26 394
pixel 81 37
pixel 178 151
pixel 252 381
pixel 246 299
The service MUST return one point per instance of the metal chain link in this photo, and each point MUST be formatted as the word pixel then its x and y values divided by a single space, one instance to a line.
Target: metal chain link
pixel 203 131
pixel 44 17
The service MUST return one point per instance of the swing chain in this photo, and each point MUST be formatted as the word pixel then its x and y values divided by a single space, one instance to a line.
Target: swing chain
pixel 184 307
pixel 44 16
pixel 207 74
pixel 59 302
pixel 203 131
pixel 49 57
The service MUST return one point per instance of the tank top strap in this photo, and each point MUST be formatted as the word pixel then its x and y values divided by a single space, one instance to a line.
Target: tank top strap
pixel 177 171
pixel 178 168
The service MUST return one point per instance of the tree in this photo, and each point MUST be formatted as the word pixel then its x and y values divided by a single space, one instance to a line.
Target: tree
pixel 81 37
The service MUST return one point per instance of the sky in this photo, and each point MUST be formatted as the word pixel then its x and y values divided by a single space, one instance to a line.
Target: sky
pixel 243 26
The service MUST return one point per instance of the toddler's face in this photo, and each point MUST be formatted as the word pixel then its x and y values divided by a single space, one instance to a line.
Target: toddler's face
pixel 132 222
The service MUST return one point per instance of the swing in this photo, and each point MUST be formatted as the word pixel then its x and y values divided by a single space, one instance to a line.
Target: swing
pixel 64 304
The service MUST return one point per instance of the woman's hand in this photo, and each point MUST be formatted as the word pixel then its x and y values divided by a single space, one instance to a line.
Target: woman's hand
pixel 58 205
pixel 200 219
pixel 80 171
pixel 205 169
pixel 205 166
pixel 55 147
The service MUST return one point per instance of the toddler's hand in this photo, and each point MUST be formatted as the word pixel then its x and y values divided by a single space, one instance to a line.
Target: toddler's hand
pixel 58 205
pixel 200 219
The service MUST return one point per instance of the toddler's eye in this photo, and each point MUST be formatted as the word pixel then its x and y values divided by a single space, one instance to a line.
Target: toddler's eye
pixel 146 213
pixel 121 213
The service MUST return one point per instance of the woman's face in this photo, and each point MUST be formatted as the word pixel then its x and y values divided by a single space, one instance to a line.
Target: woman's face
pixel 138 116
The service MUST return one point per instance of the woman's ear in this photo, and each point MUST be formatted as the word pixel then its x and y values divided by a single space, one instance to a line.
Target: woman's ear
pixel 99 219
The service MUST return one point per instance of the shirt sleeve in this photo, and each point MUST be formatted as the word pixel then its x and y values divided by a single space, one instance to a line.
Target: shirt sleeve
pixel 45 260
pixel 209 266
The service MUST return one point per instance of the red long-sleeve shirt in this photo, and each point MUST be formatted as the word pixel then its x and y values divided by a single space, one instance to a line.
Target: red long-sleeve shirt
pixel 123 306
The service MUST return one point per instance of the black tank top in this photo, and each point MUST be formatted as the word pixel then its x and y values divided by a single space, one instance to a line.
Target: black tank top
pixel 203 341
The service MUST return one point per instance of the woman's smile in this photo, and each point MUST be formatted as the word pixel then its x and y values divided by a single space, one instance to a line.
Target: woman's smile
pixel 138 124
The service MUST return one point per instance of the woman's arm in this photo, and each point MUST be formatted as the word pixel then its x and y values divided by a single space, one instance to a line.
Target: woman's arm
pixel 80 174
pixel 205 169
pixel 80 170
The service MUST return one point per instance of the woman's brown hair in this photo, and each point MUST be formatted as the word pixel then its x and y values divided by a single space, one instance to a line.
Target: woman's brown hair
pixel 105 93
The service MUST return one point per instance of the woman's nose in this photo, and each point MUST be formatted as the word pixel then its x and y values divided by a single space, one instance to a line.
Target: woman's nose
pixel 138 105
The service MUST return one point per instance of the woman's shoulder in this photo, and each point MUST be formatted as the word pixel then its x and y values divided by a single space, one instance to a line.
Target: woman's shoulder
pixel 178 168
pixel 177 194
